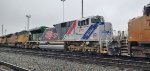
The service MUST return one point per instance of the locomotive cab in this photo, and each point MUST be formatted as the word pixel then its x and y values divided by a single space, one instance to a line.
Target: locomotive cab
pixel 84 23
pixel 147 10
pixel 97 19
pixel 90 20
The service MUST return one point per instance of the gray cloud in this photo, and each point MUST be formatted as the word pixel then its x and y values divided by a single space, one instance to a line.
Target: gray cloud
pixel 49 12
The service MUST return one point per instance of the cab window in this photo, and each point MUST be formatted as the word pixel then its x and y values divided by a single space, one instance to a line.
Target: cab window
pixel 95 20
pixel 79 23
pixel 82 23
pixel 87 21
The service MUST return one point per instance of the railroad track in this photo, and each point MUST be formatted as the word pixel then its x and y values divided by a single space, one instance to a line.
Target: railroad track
pixel 4 66
pixel 105 60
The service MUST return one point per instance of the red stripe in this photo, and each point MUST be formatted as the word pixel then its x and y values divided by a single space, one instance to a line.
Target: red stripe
pixel 71 28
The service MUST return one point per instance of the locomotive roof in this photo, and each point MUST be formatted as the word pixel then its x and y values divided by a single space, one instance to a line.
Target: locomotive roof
pixel 22 32
pixel 135 18
pixel 38 29
pixel 80 19
pixel 9 35
pixel 90 17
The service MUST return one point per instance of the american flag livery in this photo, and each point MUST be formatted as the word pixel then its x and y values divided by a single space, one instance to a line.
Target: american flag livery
pixel 50 35
pixel 71 28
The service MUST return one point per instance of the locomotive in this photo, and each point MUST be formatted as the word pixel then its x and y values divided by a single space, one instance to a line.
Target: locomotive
pixel 87 34
pixel 139 34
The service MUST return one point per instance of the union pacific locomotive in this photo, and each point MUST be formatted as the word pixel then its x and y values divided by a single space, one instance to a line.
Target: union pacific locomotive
pixel 139 34
pixel 89 34
pixel 86 34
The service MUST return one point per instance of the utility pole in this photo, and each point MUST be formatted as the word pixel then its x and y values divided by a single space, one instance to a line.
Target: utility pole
pixel 5 31
pixel 28 21
pixel 63 9
pixel 82 8
pixel 25 28
pixel 2 29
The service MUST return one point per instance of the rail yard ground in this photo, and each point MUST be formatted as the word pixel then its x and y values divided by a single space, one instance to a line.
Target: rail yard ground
pixel 39 63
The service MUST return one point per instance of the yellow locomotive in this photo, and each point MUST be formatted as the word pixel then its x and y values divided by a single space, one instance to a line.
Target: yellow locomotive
pixel 139 34
pixel 25 39
pixel 22 38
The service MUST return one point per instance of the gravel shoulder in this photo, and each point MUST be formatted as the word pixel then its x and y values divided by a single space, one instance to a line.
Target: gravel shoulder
pixel 49 64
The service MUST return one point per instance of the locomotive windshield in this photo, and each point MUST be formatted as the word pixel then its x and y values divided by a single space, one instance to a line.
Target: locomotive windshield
pixel 97 19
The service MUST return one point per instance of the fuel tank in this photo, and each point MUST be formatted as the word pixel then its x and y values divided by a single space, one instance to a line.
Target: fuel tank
pixel 52 47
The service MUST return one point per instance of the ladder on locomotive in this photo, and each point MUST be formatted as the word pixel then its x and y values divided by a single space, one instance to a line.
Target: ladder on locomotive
pixel 123 43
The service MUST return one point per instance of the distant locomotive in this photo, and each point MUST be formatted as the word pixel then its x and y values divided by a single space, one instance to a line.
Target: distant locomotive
pixel 26 39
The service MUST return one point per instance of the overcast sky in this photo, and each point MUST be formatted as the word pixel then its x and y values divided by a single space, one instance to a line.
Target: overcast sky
pixel 49 12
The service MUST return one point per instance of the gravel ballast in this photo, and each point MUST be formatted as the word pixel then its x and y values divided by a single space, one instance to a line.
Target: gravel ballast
pixel 37 63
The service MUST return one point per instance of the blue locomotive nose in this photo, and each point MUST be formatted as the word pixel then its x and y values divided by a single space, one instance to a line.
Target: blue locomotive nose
pixel 147 10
